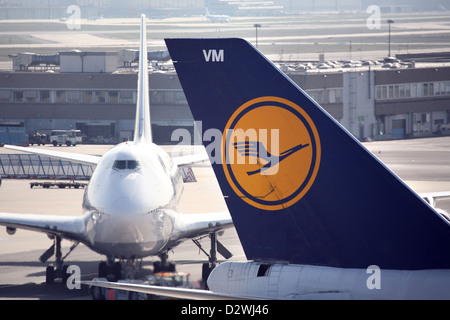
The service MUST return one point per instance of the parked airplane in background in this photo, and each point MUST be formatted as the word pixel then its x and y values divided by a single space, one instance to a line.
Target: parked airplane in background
pixel 216 17
pixel 318 214
pixel 131 202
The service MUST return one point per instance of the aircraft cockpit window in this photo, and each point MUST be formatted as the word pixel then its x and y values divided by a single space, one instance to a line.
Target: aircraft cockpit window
pixel 120 165
pixel 126 164
pixel 133 165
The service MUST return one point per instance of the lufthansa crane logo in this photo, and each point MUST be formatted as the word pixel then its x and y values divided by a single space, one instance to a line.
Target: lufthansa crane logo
pixel 270 152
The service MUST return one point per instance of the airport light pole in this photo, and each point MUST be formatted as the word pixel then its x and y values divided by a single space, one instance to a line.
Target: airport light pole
pixel 257 25
pixel 389 21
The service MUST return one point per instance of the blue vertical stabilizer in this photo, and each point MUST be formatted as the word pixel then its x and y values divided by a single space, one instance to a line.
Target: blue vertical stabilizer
pixel 299 187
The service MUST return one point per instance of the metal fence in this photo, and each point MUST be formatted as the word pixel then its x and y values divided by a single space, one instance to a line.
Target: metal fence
pixel 31 166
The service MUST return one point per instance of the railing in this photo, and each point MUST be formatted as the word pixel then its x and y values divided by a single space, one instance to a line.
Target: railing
pixel 30 166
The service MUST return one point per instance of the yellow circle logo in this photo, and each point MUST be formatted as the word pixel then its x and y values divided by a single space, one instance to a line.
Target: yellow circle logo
pixel 270 152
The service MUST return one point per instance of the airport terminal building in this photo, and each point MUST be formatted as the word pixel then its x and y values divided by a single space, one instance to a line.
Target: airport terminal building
pixel 384 103
pixel 88 91
pixel 101 105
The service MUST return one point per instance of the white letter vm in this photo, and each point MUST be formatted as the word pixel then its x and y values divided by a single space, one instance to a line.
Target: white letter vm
pixel 213 55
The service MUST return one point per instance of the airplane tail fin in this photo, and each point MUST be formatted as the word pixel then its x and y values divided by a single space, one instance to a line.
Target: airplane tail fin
pixel 300 188
pixel 142 130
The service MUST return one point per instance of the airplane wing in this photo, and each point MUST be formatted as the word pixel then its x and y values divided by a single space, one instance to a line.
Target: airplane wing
pixel 178 293
pixel 68 227
pixel 431 197
pixel 93 160
pixel 189 159
pixel 436 195
pixel 191 225
pixel 79 158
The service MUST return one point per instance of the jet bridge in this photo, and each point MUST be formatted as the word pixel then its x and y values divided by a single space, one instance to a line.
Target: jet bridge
pixel 31 166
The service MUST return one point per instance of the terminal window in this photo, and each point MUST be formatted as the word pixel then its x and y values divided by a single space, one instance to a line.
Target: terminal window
pixel 61 96
pixel 87 96
pixel 126 97
pixel 167 97
pixel 31 95
pixel 113 97
pixel 332 95
pixel 180 98
pixel 412 90
pixel 45 96
pixel 18 96
pixel 157 97
pixel 5 95
pixel 74 96
pixel 100 97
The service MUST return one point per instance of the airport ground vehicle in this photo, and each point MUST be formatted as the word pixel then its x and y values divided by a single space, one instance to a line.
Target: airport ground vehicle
pixel 37 138
pixel 166 279
pixel 61 185
pixel 67 137
pixel 444 129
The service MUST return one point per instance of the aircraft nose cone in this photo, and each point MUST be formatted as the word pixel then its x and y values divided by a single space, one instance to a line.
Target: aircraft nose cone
pixel 129 205
pixel 129 196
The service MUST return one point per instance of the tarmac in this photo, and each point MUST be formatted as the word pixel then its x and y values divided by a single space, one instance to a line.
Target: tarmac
pixel 424 165
pixel 342 36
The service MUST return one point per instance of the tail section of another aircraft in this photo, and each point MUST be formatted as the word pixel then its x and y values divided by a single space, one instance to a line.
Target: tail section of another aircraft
pixel 300 188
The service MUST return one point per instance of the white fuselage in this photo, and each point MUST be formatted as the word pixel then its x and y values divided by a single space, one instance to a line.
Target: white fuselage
pixel 293 281
pixel 131 200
